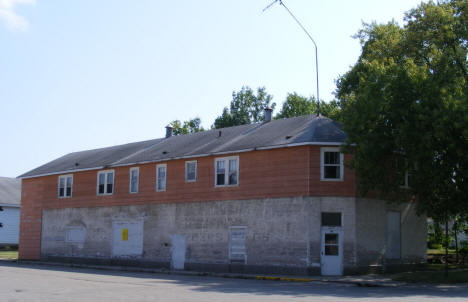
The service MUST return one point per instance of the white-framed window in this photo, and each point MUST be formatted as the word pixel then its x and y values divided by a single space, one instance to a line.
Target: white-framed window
pixel 134 179
pixel 161 176
pixel 331 164
pixel 406 178
pixel 65 186
pixel 105 182
pixel 191 171
pixel 227 171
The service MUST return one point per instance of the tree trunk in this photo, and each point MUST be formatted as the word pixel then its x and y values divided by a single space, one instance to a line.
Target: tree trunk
pixel 446 247
pixel 455 227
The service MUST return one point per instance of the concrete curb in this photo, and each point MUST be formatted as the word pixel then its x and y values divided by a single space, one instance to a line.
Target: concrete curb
pixel 359 283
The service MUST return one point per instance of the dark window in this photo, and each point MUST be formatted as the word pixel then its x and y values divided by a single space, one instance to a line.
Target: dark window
pixel 110 182
pixel 65 186
pixel 331 219
pixel 331 250
pixel 61 187
pixel 331 238
pixel 233 171
pixel 105 182
pixel 134 176
pixel 220 171
pixel 332 171
pixel 227 171
pixel 331 244
pixel 191 171
pixel 331 165
pixel 102 180
pixel 332 158
pixel 69 186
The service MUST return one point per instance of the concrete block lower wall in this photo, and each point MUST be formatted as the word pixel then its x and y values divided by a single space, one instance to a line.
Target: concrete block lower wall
pixel 276 235
pixel 372 234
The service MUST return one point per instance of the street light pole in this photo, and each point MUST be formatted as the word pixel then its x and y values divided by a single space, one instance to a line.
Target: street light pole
pixel 313 41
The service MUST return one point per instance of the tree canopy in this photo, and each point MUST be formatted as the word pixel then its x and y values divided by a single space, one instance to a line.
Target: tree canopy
pixel 405 108
pixel 246 107
pixel 297 105
pixel 190 126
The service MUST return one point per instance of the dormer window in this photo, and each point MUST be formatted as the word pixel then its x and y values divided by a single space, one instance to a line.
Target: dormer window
pixel 65 186
pixel 105 184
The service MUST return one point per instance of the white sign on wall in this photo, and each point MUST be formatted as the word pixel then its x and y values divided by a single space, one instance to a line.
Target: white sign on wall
pixel 127 238
pixel 237 250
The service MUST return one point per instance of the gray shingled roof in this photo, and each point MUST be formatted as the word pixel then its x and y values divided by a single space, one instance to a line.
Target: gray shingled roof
pixel 308 129
pixel 10 191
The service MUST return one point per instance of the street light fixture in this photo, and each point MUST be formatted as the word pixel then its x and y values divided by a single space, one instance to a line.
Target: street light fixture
pixel 313 41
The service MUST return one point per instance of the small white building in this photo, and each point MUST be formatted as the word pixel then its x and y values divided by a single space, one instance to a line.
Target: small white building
pixel 10 200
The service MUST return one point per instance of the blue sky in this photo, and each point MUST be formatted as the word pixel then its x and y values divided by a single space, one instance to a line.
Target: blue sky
pixel 77 75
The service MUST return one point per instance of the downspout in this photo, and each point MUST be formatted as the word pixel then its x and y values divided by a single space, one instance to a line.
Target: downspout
pixel 308 210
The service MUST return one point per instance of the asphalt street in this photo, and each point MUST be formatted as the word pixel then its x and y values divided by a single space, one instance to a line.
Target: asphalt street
pixel 19 282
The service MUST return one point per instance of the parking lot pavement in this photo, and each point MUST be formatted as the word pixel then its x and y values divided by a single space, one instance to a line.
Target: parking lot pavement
pixel 21 282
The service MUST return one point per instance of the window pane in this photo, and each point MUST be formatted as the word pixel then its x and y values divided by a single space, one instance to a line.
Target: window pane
pixel 331 219
pixel 109 188
pixel 220 179
pixel 233 171
pixel 101 189
pixel 191 171
pixel 220 173
pixel 134 181
pixel 102 178
pixel 220 166
pixel 110 177
pixel 110 183
pixel 332 172
pixel 331 238
pixel 331 250
pixel 161 182
pixel 69 186
pixel 332 158
pixel 61 187
pixel 410 180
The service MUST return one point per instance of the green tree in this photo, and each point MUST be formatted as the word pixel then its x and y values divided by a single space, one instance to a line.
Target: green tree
pixel 246 107
pixel 190 126
pixel 405 109
pixel 297 105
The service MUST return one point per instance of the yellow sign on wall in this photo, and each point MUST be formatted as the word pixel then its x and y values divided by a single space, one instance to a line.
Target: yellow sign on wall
pixel 124 234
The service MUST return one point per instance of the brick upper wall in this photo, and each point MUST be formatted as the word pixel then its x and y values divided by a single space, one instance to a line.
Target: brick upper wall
pixel 273 173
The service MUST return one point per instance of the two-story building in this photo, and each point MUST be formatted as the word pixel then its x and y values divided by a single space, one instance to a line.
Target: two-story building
pixel 266 197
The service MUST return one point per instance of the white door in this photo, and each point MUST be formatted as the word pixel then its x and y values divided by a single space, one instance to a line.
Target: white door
pixel 178 251
pixel 393 250
pixel 331 251
pixel 127 238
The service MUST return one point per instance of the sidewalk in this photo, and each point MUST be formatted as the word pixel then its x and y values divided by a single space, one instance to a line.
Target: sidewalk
pixel 364 280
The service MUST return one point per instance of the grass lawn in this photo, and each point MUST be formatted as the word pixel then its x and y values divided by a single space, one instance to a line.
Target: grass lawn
pixel 9 254
pixel 458 276
pixel 439 252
